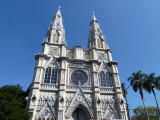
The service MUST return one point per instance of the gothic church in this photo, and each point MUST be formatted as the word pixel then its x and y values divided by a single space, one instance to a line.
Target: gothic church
pixel 73 83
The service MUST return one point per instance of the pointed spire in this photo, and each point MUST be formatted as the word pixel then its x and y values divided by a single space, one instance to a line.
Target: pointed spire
pixel 57 20
pixel 59 11
pixel 56 32
pixel 94 22
pixel 96 37
pixel 94 17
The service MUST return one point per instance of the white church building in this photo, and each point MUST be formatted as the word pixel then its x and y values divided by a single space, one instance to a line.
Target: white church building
pixel 74 83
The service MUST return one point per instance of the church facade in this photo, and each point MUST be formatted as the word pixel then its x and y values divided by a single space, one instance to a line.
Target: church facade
pixel 73 83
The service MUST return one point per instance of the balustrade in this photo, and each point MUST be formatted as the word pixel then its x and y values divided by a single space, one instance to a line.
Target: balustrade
pixel 72 88
pixel 106 90
pixel 49 87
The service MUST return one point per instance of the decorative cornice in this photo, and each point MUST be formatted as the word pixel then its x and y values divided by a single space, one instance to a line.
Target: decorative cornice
pixel 62 69
pixel 38 67
pixel 94 72
pixel 53 44
pixel 113 63
pixel 41 55
pixel 115 73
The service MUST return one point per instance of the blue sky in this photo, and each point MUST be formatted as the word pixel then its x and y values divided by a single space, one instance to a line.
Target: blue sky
pixel 131 28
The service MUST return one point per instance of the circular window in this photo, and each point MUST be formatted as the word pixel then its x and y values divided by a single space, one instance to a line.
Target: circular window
pixel 79 75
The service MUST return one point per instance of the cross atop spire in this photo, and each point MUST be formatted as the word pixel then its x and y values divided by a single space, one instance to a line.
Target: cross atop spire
pixel 94 17
pixel 59 10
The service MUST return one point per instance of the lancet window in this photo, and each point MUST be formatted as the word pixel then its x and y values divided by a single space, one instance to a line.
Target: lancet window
pixel 55 38
pixel 105 79
pixel 99 44
pixel 51 75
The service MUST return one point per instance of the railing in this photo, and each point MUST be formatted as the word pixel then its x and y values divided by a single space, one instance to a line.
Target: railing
pixel 106 90
pixel 49 87
pixel 72 88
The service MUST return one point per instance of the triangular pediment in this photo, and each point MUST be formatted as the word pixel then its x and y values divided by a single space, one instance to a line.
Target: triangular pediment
pixel 104 67
pixel 79 100
pixel 111 113
pixel 52 63
pixel 46 113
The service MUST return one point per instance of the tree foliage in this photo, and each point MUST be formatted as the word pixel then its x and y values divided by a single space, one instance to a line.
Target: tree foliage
pixel 139 113
pixel 124 92
pixel 123 89
pixel 136 81
pixel 12 103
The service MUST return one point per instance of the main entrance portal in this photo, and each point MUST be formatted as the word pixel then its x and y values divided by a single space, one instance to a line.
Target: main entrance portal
pixel 79 114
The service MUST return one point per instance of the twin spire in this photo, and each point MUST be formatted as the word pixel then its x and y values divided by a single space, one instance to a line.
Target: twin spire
pixel 56 32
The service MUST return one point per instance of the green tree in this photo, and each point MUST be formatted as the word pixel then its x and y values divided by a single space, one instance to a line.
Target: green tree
pixel 149 84
pixel 157 83
pixel 136 81
pixel 12 103
pixel 139 113
pixel 124 95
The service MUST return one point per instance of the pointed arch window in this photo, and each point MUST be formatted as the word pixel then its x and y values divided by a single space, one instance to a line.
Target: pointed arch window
pixel 99 43
pixel 55 38
pixel 51 75
pixel 105 79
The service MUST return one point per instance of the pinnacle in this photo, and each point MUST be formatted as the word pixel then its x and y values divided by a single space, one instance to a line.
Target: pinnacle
pixel 59 10
pixel 94 17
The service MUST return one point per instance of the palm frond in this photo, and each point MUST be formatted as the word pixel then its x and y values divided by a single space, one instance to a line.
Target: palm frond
pixel 135 87
pixel 157 82
pixel 136 80
pixel 147 86
pixel 123 89
pixel 130 78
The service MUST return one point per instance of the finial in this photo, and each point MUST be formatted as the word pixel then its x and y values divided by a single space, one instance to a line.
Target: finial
pixel 94 17
pixel 93 12
pixel 79 84
pixel 59 11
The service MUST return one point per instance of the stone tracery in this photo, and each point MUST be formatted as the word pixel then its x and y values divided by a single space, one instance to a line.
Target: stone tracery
pixel 46 113
pixel 79 100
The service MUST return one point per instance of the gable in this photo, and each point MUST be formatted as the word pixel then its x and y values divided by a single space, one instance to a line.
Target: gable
pixel 104 67
pixel 52 63
pixel 79 100
pixel 46 113
pixel 111 113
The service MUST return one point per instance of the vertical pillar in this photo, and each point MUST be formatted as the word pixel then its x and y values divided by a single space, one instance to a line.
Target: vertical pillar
pixel 118 93
pixel 60 115
pixel 95 85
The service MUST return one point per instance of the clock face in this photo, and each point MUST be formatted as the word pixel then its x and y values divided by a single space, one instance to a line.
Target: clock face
pixel 79 75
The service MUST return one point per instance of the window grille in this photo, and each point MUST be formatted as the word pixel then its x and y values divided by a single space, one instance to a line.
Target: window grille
pixel 106 80
pixel 51 75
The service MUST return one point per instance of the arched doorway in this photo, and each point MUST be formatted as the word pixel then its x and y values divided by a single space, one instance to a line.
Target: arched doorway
pixel 79 114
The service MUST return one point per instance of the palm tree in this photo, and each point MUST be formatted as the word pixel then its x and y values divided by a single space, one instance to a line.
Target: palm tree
pixel 157 83
pixel 124 95
pixel 149 84
pixel 136 81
